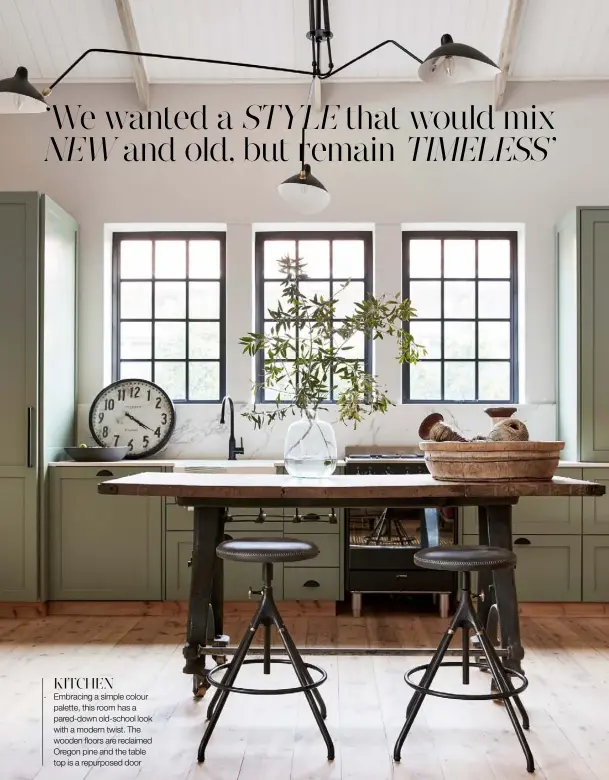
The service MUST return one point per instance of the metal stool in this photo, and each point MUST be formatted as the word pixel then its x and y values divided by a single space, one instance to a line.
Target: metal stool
pixel 267 552
pixel 466 560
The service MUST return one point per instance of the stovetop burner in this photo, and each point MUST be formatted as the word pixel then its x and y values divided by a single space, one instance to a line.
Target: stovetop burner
pixel 385 456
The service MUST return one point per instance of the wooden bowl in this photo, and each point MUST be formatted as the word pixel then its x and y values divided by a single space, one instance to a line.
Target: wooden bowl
pixel 99 454
pixel 497 461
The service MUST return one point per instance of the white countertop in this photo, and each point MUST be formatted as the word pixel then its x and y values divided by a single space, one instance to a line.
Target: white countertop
pixel 244 463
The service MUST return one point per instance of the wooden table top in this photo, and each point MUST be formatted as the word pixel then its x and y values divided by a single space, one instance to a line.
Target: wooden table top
pixel 225 488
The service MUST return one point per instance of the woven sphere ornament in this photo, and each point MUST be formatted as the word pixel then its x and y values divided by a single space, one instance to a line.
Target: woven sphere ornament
pixel 509 430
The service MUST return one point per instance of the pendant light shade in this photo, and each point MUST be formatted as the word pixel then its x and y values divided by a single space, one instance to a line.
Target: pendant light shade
pixel 456 62
pixel 18 96
pixel 304 193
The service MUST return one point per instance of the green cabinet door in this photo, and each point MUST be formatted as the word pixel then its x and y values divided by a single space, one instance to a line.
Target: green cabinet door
pixel 596 510
pixel 554 515
pixel 595 571
pixel 19 245
pixel 594 318
pixel 549 568
pixel 103 547
pixel 178 552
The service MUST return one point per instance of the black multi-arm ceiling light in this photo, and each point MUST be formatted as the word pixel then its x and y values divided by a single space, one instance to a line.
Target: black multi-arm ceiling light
pixel 450 63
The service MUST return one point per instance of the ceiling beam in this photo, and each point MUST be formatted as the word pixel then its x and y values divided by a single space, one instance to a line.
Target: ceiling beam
pixel 508 44
pixel 123 8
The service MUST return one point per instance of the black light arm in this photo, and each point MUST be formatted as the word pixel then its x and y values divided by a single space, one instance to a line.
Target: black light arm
pixel 333 72
pixel 174 57
pixel 312 73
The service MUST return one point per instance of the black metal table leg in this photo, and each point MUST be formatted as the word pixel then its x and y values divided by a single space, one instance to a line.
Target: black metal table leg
pixel 205 599
pixel 499 518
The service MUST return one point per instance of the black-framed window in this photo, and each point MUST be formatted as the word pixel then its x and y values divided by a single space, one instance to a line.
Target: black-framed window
pixel 169 312
pixel 463 286
pixel 332 259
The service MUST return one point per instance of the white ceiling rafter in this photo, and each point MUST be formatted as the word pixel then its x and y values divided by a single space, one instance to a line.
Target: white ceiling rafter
pixel 125 15
pixel 508 46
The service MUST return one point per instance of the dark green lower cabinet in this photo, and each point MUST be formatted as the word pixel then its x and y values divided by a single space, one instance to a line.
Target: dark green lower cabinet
pixel 103 548
pixel 549 567
pixel 595 568
pixel 238 577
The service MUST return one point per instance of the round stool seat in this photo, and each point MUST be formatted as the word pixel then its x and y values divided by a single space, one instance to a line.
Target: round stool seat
pixel 464 558
pixel 282 549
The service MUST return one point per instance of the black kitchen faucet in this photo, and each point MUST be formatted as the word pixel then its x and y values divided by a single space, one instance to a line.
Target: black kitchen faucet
pixel 233 450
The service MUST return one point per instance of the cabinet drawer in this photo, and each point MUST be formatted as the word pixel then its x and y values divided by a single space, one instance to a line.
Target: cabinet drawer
pixel 311 584
pixel 596 510
pixel 239 577
pixel 377 581
pixel 315 520
pixel 178 518
pixel 595 572
pixel 329 550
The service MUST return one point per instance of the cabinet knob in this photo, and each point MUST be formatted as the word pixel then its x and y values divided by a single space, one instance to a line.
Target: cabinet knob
pixel 252 592
pixel 311 584
pixel 522 540
pixel 104 473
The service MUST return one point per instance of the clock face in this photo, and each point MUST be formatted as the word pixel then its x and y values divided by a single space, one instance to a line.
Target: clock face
pixel 132 413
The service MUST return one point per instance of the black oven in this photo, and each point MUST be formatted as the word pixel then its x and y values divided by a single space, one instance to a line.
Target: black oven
pixel 381 542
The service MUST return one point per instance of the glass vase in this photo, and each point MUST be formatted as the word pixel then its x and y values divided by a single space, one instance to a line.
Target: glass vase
pixel 310 447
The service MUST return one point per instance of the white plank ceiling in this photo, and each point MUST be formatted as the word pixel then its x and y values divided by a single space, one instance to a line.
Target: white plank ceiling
pixel 555 40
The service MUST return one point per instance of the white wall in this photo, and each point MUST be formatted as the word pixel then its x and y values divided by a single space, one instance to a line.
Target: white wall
pixel 533 195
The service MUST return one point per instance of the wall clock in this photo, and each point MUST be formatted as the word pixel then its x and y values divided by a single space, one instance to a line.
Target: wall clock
pixel 132 413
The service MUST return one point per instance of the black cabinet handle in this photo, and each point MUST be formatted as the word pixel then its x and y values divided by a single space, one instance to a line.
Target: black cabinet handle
pixel 311 584
pixel 31 444
pixel 297 518
pixel 311 516
pixel 261 517
pixel 401 576
pixel 522 540
pixel 104 473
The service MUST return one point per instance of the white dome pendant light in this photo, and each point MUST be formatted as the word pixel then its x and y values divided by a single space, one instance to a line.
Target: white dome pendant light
pixel 303 191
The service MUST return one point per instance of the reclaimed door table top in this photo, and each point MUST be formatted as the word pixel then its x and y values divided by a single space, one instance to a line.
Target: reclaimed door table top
pixel 209 494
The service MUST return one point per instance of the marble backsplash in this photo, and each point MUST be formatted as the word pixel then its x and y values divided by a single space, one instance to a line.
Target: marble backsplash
pixel 198 433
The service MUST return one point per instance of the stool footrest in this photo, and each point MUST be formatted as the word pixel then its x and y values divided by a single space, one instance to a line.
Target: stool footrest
pixel 463 696
pixel 264 691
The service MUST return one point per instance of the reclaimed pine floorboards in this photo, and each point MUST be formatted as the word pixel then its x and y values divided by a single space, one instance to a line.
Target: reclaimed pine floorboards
pixel 275 738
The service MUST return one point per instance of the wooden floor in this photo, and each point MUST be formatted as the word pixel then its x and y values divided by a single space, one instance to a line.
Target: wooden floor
pixel 275 738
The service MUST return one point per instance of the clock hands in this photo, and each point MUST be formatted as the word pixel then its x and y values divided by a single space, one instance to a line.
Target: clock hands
pixel 131 417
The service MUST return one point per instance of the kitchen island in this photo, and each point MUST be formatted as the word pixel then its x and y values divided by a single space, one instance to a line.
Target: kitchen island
pixel 209 494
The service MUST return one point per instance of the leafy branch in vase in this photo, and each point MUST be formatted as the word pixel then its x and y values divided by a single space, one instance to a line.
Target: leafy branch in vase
pixel 308 352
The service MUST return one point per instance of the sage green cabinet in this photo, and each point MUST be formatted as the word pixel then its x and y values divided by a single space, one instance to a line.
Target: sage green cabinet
pixel 38 244
pixel 549 568
pixel 534 515
pixel 596 510
pixel 178 551
pixel 103 547
pixel 595 580
pixel 583 322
